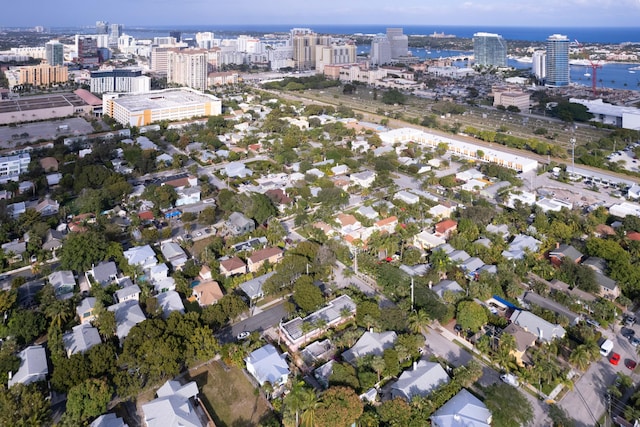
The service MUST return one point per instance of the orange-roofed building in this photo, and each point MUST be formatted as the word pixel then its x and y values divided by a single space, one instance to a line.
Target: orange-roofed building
pixel 634 235
pixel 207 293
pixel 388 224
pixel 258 258
pixel 146 215
pixel 232 266
pixel 445 228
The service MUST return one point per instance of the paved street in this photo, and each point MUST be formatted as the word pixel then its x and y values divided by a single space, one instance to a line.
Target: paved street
pixel 260 322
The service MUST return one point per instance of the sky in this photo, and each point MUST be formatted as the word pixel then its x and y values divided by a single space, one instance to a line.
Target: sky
pixel 523 13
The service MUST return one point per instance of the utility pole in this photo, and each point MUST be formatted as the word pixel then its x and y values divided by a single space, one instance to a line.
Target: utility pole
pixel 411 293
pixel 573 156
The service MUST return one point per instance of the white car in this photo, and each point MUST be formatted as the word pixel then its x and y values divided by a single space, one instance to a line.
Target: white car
pixel 243 335
pixel 510 379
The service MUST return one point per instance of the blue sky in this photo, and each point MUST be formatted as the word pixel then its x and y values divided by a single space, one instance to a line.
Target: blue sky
pixel 529 13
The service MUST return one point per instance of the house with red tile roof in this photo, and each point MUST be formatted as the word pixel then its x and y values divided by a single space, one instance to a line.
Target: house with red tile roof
pixel 388 224
pixel 232 266
pixel 259 257
pixel 445 228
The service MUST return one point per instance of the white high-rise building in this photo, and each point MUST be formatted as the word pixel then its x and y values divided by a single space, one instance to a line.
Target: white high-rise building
pixel 539 64
pixel 399 42
pixel 249 44
pixel 490 50
pixel 380 50
pixel 120 80
pixel 205 40
pixel 188 67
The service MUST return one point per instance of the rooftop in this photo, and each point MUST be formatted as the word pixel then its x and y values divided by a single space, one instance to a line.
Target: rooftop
pixel 164 99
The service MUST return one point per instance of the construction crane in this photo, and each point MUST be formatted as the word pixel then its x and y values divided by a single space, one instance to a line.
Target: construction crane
pixel 594 67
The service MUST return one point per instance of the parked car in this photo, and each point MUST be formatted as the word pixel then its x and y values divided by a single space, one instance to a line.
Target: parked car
pixel 510 379
pixel 631 364
pixel 243 335
pixel 635 341
pixel 614 359
pixel 628 333
pixel 592 322
pixel 629 320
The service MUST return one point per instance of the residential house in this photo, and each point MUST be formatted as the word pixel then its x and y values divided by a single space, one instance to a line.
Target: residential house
pixel 532 298
pixel 169 302
pixel 128 293
pixel 53 179
pixel 174 254
pixel 564 251
pixel 462 410
pixel 253 288
pixel 232 266
pixel 374 343
pixel 544 331
pixel 520 245
pixel 447 286
pixel 440 211
pixel 266 364
pixel 459 256
pixel 127 314
pixel 105 273
pixel 469 175
pixel 238 224
pixel 279 198
pixel 251 244
pixel 47 207
pixel 142 256
pixel 14 250
pixel 188 195
pixel 363 179
pixel 324 227
pixel 84 310
pixel 337 311
pixel 604 230
pixel 207 293
pixel 471 264
pixel 14 210
pixel 445 228
pixel 164 158
pixel 598 265
pixel 633 236
pixel 367 212
pixel 348 223
pixel 33 366
pixel 108 420
pixel 608 287
pixel 53 240
pixel 80 339
pixel 177 405
pixel 236 170
pixel 257 259
pixel 501 230
pixel 406 197
pixel 387 225
pixel 63 283
pixel 425 240
pixel 340 169
pixel 49 164
pixel 523 340
pixel 422 380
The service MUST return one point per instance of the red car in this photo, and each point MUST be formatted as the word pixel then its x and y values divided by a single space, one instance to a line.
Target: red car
pixel 631 364
pixel 614 359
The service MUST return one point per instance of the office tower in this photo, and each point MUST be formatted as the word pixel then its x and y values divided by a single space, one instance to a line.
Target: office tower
pixel 176 35
pixel 188 67
pixel 380 50
pixel 334 55
pixel 114 32
pixel 399 43
pixel 102 27
pixel 539 64
pixel 120 80
pixel 87 48
pixel 205 40
pixel 557 60
pixel 54 52
pixel 304 43
pixel 489 50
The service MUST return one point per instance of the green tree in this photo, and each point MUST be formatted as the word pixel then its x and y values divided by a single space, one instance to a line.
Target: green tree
pixel 87 400
pixel 395 412
pixel 393 96
pixel 82 250
pixel 339 407
pixel 418 320
pixel 508 406
pixel 26 325
pixel 470 315
pixel 24 406
pixel 306 295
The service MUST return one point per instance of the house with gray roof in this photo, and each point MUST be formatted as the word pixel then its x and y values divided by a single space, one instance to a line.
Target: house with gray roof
pixel 63 283
pixel 445 247
pixel 472 264
pixel 175 406
pixel 415 270
pixel 108 420
pixel 501 230
pixel 462 410
pixel 422 380
pixel 565 251
pixel 238 224
pixel 236 170
pixel 608 287
pixel 519 246
pixel 80 339
pixel 84 310
pixel 33 366
pixel 459 256
pixel 174 254
pixel 367 212
pixel 169 302
pixel 374 343
pixel 543 330
pixel 551 305
pixel 447 286
pixel 127 314
pixel 105 273
pixel 143 256
pixel 127 293
pixel 253 288
pixel 266 364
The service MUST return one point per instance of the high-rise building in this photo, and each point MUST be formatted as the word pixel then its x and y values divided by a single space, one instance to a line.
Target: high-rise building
pixel 114 32
pixel 539 64
pixel 304 43
pixel 102 27
pixel 43 75
pixel 54 52
pixel 557 60
pixel 176 35
pixel 87 48
pixel 489 50
pixel 380 50
pixel 399 43
pixel 120 80
pixel 335 55
pixel 188 67
pixel 205 40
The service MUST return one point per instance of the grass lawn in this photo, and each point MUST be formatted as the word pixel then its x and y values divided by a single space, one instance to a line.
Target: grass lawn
pixel 229 396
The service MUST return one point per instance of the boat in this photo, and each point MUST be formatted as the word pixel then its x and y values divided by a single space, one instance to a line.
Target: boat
pixel 632 72
pixel 587 74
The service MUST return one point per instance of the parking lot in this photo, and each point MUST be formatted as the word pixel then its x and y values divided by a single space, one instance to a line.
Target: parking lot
pixel 14 136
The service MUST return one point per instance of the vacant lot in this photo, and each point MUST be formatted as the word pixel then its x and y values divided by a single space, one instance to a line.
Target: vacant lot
pixel 229 396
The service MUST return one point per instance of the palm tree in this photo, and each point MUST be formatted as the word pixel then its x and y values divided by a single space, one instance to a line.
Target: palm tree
pixel 580 357
pixel 418 320
pixel 299 400
pixel 378 365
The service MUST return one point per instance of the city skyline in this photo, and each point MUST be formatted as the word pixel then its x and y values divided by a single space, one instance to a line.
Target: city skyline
pixel 571 13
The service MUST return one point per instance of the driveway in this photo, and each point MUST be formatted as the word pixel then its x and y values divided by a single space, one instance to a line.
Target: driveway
pixel 260 322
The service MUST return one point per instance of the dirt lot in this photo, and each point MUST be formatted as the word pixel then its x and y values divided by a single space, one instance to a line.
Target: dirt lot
pixel 229 396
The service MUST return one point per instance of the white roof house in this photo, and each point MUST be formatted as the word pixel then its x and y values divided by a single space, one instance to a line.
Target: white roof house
pixel 363 179
pixel 108 420
pixel 144 256
pixel 543 330
pixel 519 245
pixel 63 283
pixel 422 380
pixel 33 366
pixel 81 338
pixel 447 286
pixel 174 406
pixel 127 293
pixel 266 364
pixel 406 197
pixel 237 170
pixel 174 254
pixel 370 343
pixel 426 240
pixel 127 314
pixel 253 288
pixel 170 301
pixel 462 410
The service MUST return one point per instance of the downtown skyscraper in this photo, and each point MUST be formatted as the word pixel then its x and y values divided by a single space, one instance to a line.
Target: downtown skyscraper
pixel 489 50
pixel 557 60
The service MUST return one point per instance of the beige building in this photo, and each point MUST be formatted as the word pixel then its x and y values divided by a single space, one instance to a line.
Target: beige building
pixel 508 97
pixel 168 104
pixel 305 43
pixel 188 67
pixel 43 75
pixel 223 78
pixel 334 55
